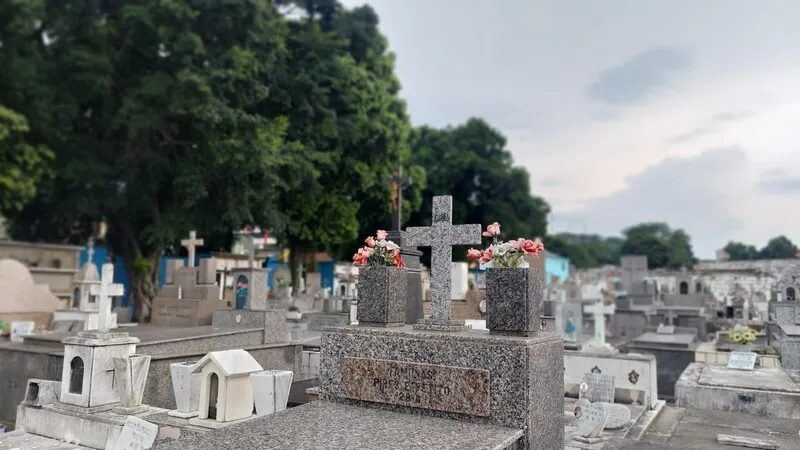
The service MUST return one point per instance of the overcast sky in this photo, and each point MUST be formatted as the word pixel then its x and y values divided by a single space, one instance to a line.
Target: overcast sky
pixel 623 111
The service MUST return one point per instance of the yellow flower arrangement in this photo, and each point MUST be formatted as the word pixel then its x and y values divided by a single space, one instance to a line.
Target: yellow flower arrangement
pixel 742 336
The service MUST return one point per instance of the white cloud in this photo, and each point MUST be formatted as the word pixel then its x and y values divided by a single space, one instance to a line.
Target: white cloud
pixel 717 74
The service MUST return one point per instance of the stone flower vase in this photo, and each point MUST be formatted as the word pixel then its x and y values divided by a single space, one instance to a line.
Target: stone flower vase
pixel 382 296
pixel 513 301
pixel 751 347
pixel 186 387
pixel 271 390
pixel 130 377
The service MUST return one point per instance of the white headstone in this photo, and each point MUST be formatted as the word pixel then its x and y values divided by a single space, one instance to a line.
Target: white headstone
pixel 599 387
pixel 742 360
pixel 103 292
pixel 353 313
pixel 665 329
pixel 459 280
pixel 21 329
pixel 618 415
pixel 271 390
pixel 136 434
pixel 591 420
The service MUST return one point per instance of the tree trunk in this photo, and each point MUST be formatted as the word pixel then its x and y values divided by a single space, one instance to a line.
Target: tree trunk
pixel 143 275
pixel 294 264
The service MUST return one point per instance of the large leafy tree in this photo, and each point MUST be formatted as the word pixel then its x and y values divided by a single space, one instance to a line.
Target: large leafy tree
pixel 151 113
pixel 22 164
pixel 340 94
pixel 738 251
pixel 471 163
pixel 778 248
pixel 663 246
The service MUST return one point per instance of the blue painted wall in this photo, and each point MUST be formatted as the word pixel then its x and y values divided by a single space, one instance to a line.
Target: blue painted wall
pixel 555 265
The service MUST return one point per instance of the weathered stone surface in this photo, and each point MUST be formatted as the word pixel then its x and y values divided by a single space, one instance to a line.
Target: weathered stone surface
pixel 429 386
pixel 591 420
pixel 382 296
pixel 618 415
pixel 513 301
pixel 741 441
pixel 130 376
pixel 526 374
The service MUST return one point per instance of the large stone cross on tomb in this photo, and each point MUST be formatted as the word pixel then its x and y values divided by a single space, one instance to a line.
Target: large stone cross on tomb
pixel 441 236
pixel 104 292
pixel 600 310
pixel 190 245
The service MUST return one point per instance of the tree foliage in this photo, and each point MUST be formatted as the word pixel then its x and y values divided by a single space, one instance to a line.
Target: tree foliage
pixel 664 247
pixel 22 165
pixel 779 247
pixel 471 163
pixel 585 250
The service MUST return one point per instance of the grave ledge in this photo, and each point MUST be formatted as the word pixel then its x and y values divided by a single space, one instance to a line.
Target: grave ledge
pixel 354 428
pixel 466 336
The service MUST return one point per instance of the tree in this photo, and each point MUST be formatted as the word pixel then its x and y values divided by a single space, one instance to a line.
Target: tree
pixel 22 165
pixel 778 248
pixel 577 253
pixel 153 127
pixel 663 246
pixel 471 163
pixel 339 91
pixel 738 251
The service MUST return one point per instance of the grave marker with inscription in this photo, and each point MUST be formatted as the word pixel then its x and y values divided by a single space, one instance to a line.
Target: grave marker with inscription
pixel 742 360
pixel 441 388
pixel 136 434
pixel 599 387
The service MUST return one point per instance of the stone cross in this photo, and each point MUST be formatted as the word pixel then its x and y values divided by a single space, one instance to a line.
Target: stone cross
pixel 397 182
pixel 670 316
pixel 190 244
pixel 104 291
pixel 441 236
pixel 250 246
pixel 599 323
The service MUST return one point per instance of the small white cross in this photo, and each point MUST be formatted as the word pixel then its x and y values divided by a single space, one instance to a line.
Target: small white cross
pixel 104 291
pixel 190 246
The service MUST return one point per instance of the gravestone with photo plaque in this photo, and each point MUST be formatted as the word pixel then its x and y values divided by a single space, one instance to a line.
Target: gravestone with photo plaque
pixel 137 434
pixel 598 387
pixel 742 360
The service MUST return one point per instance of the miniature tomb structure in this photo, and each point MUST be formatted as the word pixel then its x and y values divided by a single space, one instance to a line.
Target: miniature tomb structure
pixel 21 299
pixel 226 394
pixel 479 389
pixel 674 348
pixel 786 328
pixel 250 300
pixel 84 312
pixel 102 381
pixel 636 301
pixel 190 294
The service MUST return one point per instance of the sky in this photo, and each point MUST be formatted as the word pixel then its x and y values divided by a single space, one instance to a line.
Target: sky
pixel 623 111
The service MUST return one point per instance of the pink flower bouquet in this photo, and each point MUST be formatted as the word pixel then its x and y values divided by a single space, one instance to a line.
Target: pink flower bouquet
pixel 505 255
pixel 378 252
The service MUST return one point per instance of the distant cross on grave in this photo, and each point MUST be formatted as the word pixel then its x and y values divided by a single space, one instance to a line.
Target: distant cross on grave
pixel 190 245
pixel 250 246
pixel 397 182
pixel 670 316
pixel 441 236
pixel 104 291
pixel 600 311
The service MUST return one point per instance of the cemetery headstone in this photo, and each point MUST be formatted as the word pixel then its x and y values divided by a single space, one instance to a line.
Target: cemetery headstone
pixel 665 329
pixel 618 415
pixel 742 360
pixel 21 329
pixel 599 387
pixel 136 434
pixel 103 292
pixel 591 421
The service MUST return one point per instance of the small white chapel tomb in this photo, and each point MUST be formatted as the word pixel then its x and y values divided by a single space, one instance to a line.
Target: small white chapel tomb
pixel 85 310
pixel 226 394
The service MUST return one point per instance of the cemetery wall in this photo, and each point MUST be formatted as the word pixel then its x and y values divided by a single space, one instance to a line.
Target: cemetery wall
pixel 53 256
pixel 16 369
pixel 635 377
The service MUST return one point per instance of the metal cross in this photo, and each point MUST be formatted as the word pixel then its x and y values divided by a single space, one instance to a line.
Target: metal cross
pixel 104 291
pixel 441 236
pixel 190 244
pixel 397 182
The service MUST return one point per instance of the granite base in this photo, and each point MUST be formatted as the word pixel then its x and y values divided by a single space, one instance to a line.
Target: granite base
pixel 273 321
pixel 523 387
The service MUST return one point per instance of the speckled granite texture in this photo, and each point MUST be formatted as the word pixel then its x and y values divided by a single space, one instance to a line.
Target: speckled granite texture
pixel 327 426
pixel 526 374
pixel 513 301
pixel 441 236
pixel 382 296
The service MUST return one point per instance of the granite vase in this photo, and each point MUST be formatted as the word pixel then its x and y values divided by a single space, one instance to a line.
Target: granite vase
pixel 382 296
pixel 513 301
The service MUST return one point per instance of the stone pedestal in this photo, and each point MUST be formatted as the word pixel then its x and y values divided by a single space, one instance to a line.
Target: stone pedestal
pixel 273 321
pixel 382 296
pixel 513 301
pixel 249 289
pixel 511 381
pixel 411 257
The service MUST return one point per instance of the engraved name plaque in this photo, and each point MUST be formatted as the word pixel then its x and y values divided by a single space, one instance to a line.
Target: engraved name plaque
pixel 441 388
